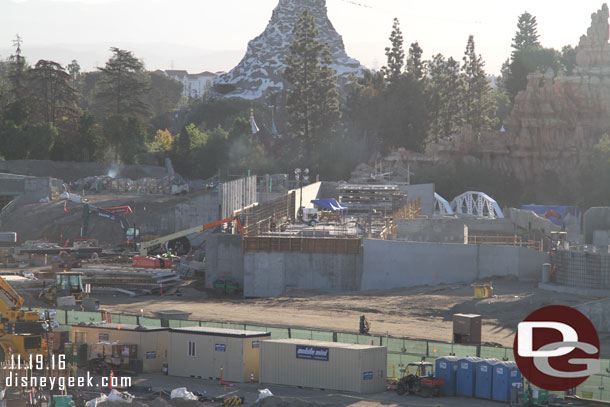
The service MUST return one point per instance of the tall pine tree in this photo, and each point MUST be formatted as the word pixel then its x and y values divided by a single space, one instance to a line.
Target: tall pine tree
pixel 123 84
pixel 313 99
pixel 445 90
pixel 415 64
pixel 395 54
pixel 478 103
pixel 527 33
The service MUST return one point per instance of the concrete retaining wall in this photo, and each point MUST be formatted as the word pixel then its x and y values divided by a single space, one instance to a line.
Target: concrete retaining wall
pixel 424 192
pixel 29 189
pixel 223 258
pixel 390 264
pixel 270 274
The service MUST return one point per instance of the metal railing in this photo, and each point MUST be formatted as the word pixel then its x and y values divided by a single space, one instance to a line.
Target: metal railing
pixel 515 240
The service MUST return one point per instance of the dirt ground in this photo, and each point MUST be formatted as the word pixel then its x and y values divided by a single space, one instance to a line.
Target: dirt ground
pixel 49 221
pixel 420 312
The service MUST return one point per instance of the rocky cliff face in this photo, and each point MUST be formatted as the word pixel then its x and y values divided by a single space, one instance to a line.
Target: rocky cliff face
pixel 555 121
pixel 258 75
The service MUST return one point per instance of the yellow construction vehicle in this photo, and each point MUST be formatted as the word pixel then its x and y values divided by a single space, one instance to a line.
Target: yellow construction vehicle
pixel 22 333
pixel 67 284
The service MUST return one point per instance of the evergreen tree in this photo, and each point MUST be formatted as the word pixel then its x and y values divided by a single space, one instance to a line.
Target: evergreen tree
pixel 123 85
pixel 17 71
pixel 395 54
pixel 75 72
pixel 52 96
pixel 478 103
pixel 313 100
pixel 415 64
pixel 568 59
pixel 445 90
pixel 527 33
pixel 528 56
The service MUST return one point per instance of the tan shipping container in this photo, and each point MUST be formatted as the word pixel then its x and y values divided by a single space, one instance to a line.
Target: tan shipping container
pixel 202 352
pixel 324 365
pixel 152 341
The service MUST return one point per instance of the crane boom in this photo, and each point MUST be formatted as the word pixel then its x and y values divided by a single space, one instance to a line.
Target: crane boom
pixel 15 301
pixel 145 247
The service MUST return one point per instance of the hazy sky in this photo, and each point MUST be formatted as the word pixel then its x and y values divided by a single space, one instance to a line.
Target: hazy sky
pixel 200 35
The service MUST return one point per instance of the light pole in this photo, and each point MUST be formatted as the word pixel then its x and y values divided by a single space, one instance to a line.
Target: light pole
pixel 301 176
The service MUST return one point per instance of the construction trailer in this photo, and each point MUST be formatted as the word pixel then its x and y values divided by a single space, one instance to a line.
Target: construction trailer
pixel 324 365
pixel 204 352
pixel 152 342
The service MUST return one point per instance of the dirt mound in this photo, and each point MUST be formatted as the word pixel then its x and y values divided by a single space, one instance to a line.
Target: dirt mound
pixel 49 221
pixel 71 171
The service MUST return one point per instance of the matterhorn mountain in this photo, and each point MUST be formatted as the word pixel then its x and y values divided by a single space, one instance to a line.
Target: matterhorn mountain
pixel 259 74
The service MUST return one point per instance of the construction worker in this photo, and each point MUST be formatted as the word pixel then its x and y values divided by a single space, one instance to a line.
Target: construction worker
pixel 365 326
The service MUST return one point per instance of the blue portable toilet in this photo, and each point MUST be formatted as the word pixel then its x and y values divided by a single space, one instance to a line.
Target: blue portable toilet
pixel 504 375
pixel 484 377
pixel 445 369
pixel 465 376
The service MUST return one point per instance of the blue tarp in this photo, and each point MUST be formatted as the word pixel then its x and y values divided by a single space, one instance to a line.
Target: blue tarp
pixel 549 211
pixel 330 204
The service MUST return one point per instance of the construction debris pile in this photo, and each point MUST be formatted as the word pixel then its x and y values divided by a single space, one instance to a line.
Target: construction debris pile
pixel 115 279
pixel 168 185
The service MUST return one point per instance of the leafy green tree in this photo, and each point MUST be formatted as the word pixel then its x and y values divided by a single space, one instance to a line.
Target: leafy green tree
pixel 40 140
pixel 568 59
pixel 363 110
pixel 527 61
pixel 415 63
pixel 595 177
pixel 445 95
pixel 313 99
pixel 52 97
pixel 74 70
pixel 528 56
pixel 125 136
pixel 478 103
pixel 13 141
pixel 527 33
pixel 164 95
pixel 211 153
pixel 395 54
pixel 90 147
pixel 123 84
pixel 17 70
